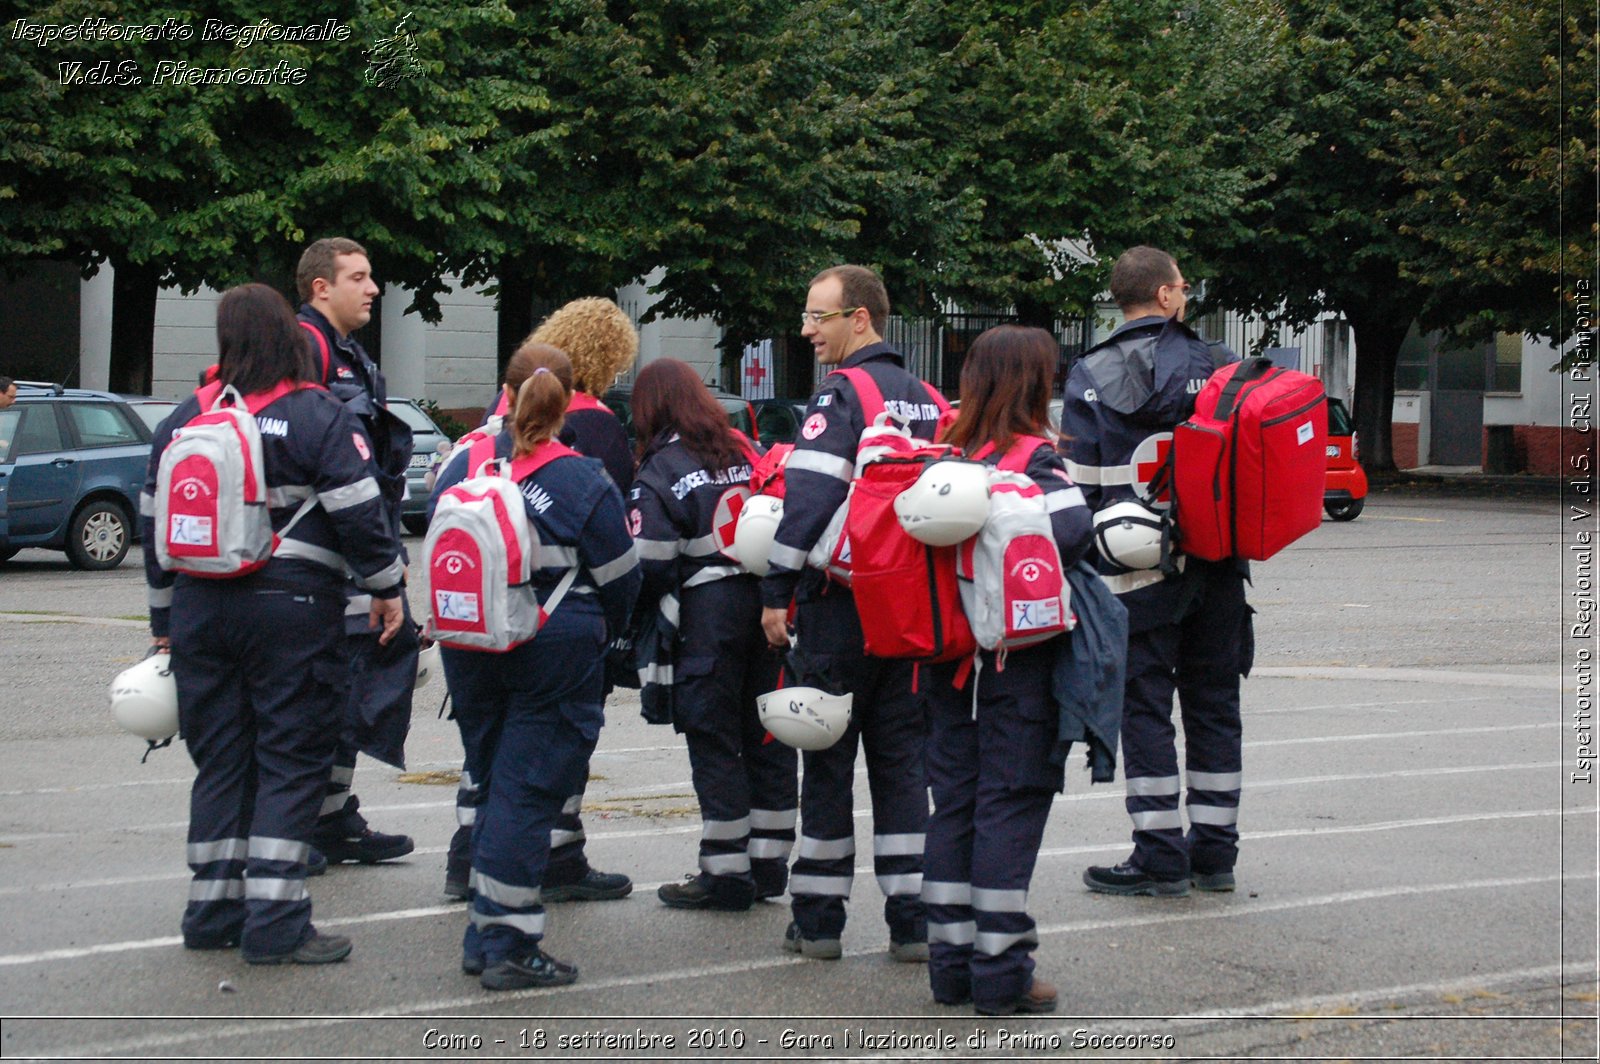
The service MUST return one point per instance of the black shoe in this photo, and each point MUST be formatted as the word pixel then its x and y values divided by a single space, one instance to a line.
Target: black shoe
pixel 693 893
pixel 527 971
pixel 1214 882
pixel 1128 878
pixel 471 963
pixel 458 865
pixel 318 949
pixel 817 949
pixel 1041 997
pixel 316 864
pixel 369 847
pixel 594 886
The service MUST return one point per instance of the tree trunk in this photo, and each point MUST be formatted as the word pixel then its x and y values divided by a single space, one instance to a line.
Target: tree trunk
pixel 133 326
pixel 1378 337
pixel 514 308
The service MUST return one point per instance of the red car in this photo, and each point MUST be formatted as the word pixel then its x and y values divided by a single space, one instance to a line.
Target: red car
pixel 1345 492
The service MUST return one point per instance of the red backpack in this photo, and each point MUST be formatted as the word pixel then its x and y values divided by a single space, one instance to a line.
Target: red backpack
pixel 1248 468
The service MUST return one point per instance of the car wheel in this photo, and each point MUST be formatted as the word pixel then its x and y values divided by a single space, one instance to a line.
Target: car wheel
pixel 1345 509
pixel 417 525
pixel 99 536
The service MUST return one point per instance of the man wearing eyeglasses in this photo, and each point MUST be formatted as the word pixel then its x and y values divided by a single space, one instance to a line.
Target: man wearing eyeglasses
pixel 844 319
pixel 1189 628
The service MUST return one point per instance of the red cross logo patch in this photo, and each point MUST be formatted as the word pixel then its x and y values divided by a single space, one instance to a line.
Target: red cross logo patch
pixel 1147 460
pixel 726 519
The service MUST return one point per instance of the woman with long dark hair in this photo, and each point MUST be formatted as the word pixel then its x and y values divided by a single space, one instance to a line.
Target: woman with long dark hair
pixel 989 751
pixel 258 657
pixel 694 474
pixel 529 717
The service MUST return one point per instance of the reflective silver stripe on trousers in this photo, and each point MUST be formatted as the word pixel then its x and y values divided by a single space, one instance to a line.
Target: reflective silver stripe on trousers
pixel 702 546
pixel 275 889
pixel 466 815
pixel 761 849
pixel 616 568
pixel 333 803
pixel 287 495
pixel 897 845
pixel 158 598
pixel 558 837
pixel 657 550
pixel 300 550
pixel 147 504
pixel 827 886
pixel 358 606
pixel 787 557
pixel 1122 583
pixel 826 849
pixel 905 883
pixel 941 892
pixel 1157 820
pixel 994 943
pixel 1152 786
pixel 956 934
pixel 1216 815
pixel 574 805
pixel 725 829
pixel 714 572
pixel 1056 501
pixel 725 864
pixel 669 609
pixel 830 465
pixel 270 849
pixel 215 889
pixel 553 557
pixel 1216 781
pixel 349 495
pixel 527 923
pixel 999 901
pixel 773 819
pixel 657 674
pixel 507 894
pixel 1095 474
pixel 342 774
pixel 219 850
pixel 466 783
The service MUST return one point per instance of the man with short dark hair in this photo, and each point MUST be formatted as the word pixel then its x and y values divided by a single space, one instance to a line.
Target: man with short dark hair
pixel 336 288
pixel 1189 628
pixel 8 392
pixel 843 319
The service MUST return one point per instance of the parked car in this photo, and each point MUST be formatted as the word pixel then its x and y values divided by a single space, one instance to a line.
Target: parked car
pixel 72 464
pixel 619 398
pixel 778 420
pixel 151 411
pixel 1345 492
pixel 425 437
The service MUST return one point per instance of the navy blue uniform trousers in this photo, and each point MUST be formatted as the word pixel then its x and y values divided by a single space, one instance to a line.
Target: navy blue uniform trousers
pixel 887 720
pixel 261 681
pixel 529 719
pixel 993 783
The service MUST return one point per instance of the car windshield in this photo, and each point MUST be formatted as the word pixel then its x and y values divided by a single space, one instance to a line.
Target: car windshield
pixel 153 413
pixel 413 416
pixel 1338 419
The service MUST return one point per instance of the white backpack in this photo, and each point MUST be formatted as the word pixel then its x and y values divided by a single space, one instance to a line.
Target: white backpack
pixel 211 515
pixel 1013 587
pixel 482 552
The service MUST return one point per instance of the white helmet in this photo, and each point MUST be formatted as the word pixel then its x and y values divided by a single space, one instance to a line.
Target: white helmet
pixel 948 503
pixel 144 699
pixel 805 717
pixel 1129 533
pixel 758 526
pixel 427 665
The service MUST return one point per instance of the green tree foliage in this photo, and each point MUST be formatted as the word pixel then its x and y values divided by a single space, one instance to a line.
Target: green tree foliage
pixel 1494 135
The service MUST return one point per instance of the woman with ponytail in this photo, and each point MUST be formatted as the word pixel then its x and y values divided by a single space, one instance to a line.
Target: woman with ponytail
pixel 529 717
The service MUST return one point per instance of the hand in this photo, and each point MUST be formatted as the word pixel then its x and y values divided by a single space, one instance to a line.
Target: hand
pixel 161 644
pixel 775 623
pixel 389 614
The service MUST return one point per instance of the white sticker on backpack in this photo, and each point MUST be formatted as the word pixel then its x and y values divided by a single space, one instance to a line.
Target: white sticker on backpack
pixel 190 530
pixel 1304 433
pixel 456 606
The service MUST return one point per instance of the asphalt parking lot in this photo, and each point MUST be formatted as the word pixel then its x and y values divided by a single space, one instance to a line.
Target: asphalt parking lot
pixel 1417 875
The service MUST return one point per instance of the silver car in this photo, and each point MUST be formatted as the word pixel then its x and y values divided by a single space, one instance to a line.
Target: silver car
pixel 426 438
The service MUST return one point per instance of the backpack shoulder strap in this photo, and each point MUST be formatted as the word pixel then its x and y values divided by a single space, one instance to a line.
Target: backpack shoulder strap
pixel 867 390
pixel 481 451
pixel 529 464
pixel 261 400
pixel 322 348
pixel 1016 460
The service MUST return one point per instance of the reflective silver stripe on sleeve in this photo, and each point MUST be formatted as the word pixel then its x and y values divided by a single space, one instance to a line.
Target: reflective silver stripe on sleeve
pixel 999 901
pixel 158 598
pixel 1157 820
pixel 387 577
pixel 1152 786
pixel 1215 815
pixel 1056 501
pixel 787 557
pixel 702 546
pixel 147 504
pixel 258 889
pixel 773 819
pixel 1216 781
pixel 1094 474
pixel 616 568
pixel 726 864
pixel 712 573
pixel 573 806
pixel 658 550
pixel 669 609
pixel 288 495
pixel 507 894
pixel 558 837
pixel 957 934
pixel 994 943
pixel 215 889
pixel 303 551
pixel 826 849
pixel 830 465
pixel 897 845
pixel 725 829
pixel 270 849
pixel 218 850
pixel 761 849
pixel 940 892
pixel 349 495
pixel 907 883
pixel 527 923
pixel 826 886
